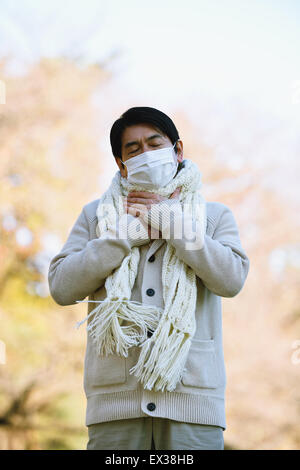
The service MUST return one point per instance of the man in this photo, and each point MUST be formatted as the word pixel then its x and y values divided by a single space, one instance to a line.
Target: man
pixel 154 259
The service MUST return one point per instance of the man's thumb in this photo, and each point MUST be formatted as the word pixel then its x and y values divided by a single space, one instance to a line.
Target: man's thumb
pixel 176 192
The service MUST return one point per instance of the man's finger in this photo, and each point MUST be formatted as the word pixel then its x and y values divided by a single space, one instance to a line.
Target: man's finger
pixel 138 200
pixel 136 209
pixel 141 207
pixel 133 211
pixel 142 194
pixel 176 192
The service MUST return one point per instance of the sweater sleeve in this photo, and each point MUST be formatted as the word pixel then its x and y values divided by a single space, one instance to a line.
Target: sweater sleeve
pixel 218 260
pixel 82 265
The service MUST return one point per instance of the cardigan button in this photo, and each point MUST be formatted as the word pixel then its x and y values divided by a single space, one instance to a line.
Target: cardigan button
pixel 151 406
pixel 151 259
pixel 150 292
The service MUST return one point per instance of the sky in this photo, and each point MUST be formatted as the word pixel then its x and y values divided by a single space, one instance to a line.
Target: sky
pixel 218 48
pixel 214 59
pixel 170 51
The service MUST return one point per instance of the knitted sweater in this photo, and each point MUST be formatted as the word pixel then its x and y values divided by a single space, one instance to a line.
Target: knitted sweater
pixel 221 267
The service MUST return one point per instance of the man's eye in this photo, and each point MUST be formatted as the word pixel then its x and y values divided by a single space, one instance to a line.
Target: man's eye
pixel 156 145
pixel 152 145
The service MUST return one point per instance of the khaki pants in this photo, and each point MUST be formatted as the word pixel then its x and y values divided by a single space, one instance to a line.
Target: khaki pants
pixel 149 433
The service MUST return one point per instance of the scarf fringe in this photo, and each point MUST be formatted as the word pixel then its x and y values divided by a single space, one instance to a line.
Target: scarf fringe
pixel 106 329
pixel 160 367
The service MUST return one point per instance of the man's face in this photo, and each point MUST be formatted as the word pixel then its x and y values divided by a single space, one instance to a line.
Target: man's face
pixel 141 138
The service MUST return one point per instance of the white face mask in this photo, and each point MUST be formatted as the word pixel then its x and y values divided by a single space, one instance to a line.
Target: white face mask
pixel 152 169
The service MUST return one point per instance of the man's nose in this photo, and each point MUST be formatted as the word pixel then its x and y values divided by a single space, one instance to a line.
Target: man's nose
pixel 145 147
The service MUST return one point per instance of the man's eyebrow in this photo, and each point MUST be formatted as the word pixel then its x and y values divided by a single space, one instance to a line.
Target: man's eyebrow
pixel 135 142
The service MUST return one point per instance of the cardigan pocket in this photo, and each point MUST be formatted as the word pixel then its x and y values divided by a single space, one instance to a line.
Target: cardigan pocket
pixel 104 370
pixel 201 368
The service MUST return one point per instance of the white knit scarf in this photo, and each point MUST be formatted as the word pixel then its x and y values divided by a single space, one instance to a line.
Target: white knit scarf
pixel 119 323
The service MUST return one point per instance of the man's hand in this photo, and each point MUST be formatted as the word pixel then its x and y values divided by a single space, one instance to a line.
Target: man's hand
pixel 138 202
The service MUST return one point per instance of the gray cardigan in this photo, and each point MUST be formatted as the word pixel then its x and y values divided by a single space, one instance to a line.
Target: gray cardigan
pixel 221 267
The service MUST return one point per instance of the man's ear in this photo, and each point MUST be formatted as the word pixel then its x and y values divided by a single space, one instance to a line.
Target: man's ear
pixel 122 167
pixel 179 146
pixel 119 162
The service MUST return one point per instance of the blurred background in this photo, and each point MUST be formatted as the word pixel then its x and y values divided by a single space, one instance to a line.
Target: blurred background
pixel 228 73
